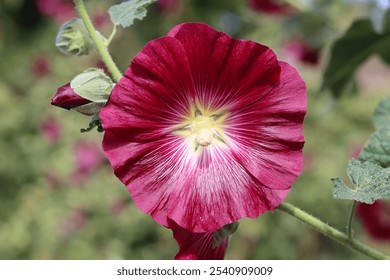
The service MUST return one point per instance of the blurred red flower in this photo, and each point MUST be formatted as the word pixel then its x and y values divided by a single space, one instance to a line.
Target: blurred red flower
pixel 375 219
pixel 300 51
pixel 273 7
pixel 40 67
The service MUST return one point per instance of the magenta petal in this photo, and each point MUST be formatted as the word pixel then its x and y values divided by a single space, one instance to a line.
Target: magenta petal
pixel 196 246
pixel 267 136
pixel 228 73
pixel 66 98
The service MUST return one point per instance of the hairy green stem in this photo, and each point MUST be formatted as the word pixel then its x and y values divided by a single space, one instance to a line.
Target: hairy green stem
pixel 97 40
pixel 331 232
pixel 350 219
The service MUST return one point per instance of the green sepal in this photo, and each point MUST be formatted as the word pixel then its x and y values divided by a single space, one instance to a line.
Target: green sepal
pixel 371 182
pixel 224 233
pixel 125 13
pixel 93 84
pixel 72 38
pixel 90 109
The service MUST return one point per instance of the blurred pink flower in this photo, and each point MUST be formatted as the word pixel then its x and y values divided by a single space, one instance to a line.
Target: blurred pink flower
pixel 300 51
pixel 74 222
pixel 118 206
pixel 100 19
pixel 50 130
pixel 273 7
pixel 40 67
pixel 375 219
pixel 88 157
pixel 59 10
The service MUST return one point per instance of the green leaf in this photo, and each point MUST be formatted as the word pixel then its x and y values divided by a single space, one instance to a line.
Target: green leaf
pixel 350 51
pixel 382 114
pixel 377 148
pixel 125 13
pixel 371 182
pixel 93 85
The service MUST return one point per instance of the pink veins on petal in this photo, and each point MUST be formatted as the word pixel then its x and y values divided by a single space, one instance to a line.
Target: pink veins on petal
pixel 205 129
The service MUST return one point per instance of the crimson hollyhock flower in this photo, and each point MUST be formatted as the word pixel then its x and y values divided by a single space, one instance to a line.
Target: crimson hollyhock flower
pixel 375 219
pixel 205 129
pixel 66 98
pixel 273 7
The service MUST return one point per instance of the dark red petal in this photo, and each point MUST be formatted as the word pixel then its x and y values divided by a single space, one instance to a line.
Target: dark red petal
pixel 228 73
pixel 196 246
pixel 161 91
pixel 267 136
pixel 375 219
pixel 66 98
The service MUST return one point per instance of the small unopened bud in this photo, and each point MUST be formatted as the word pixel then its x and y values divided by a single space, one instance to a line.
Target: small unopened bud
pixel 73 38
pixel 66 98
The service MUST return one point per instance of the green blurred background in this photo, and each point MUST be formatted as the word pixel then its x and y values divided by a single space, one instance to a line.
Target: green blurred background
pixel 59 198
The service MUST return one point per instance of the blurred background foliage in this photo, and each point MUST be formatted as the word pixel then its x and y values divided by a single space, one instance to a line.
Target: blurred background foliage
pixel 59 198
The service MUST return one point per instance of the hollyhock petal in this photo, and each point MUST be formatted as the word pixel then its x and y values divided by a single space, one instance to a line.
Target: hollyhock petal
pixel 272 151
pixel 66 98
pixel 161 81
pixel 197 246
pixel 227 72
pixel 375 219
pixel 205 129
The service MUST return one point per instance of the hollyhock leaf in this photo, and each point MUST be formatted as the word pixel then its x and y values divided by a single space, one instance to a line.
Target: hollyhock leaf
pixel 205 130
pixel 382 114
pixel 350 51
pixel 377 148
pixel 125 13
pixel 371 182
pixel 93 84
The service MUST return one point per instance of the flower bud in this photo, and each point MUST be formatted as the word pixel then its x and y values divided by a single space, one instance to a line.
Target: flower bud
pixel 66 98
pixel 73 38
